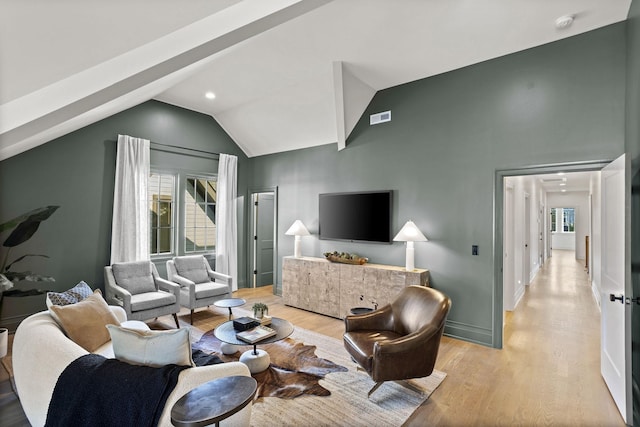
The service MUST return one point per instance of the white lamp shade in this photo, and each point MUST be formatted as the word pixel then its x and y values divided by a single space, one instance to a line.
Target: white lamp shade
pixel 298 229
pixel 410 233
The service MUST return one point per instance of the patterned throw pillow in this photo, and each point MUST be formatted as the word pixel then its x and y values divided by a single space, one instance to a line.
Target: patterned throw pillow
pixel 72 296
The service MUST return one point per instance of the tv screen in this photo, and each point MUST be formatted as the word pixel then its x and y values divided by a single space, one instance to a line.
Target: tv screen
pixel 356 217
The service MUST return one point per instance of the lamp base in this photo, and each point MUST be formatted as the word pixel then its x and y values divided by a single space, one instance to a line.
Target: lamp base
pixel 410 258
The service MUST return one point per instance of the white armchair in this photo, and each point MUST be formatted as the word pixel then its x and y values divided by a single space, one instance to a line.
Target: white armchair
pixel 200 286
pixel 140 291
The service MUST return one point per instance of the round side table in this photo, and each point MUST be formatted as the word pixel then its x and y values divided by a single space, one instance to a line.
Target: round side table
pixel 213 401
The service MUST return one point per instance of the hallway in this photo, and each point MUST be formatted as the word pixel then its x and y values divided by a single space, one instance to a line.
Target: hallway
pixel 548 372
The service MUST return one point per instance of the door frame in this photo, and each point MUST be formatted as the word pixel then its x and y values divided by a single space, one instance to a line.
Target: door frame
pixel 498 242
pixel 251 247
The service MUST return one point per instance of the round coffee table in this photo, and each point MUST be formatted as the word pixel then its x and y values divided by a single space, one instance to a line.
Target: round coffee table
pixel 257 360
pixel 213 401
pixel 229 303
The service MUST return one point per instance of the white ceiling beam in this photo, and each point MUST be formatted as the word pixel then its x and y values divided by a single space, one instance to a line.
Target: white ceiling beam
pixel 352 96
pixel 137 75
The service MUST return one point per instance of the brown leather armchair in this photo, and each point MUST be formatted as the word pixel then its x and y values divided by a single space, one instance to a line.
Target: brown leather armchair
pixel 400 340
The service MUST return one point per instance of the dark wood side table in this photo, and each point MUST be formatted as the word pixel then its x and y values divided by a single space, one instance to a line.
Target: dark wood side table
pixel 213 401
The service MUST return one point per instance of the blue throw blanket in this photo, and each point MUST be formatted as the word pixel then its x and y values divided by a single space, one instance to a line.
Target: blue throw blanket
pixel 96 391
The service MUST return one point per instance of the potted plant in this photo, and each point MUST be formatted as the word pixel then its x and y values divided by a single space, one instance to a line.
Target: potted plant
pixel 260 310
pixel 22 229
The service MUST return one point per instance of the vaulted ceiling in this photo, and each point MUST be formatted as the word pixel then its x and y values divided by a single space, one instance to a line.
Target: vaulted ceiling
pixel 286 74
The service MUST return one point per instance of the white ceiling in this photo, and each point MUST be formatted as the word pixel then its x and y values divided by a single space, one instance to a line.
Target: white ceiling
pixel 287 74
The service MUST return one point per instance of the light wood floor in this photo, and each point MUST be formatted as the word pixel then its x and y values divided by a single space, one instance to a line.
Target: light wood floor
pixel 547 374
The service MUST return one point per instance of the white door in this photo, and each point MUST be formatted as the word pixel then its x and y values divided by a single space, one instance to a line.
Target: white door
pixel 613 338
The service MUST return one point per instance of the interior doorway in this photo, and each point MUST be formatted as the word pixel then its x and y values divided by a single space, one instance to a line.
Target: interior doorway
pixel 263 237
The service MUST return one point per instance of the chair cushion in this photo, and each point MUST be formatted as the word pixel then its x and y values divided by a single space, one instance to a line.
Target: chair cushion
pixel 149 300
pixel 71 296
pixel 211 289
pixel 151 348
pixel 85 322
pixel 135 277
pixel 192 268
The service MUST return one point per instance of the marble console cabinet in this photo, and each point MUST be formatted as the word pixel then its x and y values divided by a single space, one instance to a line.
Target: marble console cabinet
pixel 332 289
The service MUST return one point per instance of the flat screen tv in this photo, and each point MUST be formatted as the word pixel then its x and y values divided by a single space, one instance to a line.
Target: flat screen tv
pixel 356 217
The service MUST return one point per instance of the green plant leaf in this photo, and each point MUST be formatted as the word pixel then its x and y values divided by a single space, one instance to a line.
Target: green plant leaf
pixel 16 276
pixel 27 225
pixel 23 257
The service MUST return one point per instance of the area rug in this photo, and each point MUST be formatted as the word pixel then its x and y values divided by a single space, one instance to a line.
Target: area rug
pixel 347 404
pixel 295 370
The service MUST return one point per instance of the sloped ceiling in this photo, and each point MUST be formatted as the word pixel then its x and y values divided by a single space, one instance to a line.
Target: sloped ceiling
pixel 287 74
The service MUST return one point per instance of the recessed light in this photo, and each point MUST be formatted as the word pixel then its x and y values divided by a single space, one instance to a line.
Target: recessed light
pixel 563 190
pixel 210 95
pixel 560 173
pixel 563 184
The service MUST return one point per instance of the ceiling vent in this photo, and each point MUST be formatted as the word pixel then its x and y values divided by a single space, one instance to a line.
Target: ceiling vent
pixel 552 180
pixel 378 118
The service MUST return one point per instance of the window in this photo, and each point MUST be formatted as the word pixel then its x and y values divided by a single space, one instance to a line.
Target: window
pixel 160 191
pixel 568 220
pixel 563 220
pixel 189 219
pixel 200 214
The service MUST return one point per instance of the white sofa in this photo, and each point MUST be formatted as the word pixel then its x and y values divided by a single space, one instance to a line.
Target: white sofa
pixel 41 351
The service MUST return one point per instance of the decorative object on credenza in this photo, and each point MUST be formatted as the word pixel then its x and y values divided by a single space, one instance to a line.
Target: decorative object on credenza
pixel 298 230
pixel 345 258
pixel 410 233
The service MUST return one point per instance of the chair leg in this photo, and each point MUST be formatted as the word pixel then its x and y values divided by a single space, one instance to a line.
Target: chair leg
pixel 192 310
pixel 175 317
pixel 374 388
pixel 413 387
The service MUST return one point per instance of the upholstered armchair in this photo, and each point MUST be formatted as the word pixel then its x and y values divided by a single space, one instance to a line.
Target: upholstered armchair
pixel 200 286
pixel 137 287
pixel 400 340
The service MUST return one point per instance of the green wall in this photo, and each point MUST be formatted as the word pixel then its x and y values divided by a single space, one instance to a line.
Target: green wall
pixel 562 102
pixel 632 139
pixel 77 172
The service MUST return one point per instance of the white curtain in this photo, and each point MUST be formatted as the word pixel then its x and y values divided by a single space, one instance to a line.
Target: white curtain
pixel 130 225
pixel 226 218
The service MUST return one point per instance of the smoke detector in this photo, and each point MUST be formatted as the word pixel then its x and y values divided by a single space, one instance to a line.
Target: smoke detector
pixel 564 22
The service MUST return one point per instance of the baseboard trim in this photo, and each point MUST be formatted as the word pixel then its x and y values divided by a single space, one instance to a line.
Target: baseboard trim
pixel 467 332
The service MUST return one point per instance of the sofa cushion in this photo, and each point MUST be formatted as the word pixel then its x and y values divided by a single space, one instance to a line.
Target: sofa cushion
pixel 150 300
pixel 85 322
pixel 135 277
pixel 151 348
pixel 192 268
pixel 71 296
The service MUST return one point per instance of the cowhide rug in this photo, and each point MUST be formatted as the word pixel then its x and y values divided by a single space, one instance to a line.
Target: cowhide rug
pixel 295 370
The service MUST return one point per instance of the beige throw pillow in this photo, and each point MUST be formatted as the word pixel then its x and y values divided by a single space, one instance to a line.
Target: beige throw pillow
pixel 151 348
pixel 85 322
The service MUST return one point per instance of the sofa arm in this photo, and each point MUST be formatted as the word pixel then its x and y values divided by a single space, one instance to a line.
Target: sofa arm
pixel 119 312
pixel 193 377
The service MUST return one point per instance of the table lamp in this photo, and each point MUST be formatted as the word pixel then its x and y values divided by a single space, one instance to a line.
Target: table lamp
pixel 410 233
pixel 297 229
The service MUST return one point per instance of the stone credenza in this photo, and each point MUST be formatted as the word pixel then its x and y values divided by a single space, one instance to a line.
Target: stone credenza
pixel 333 289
